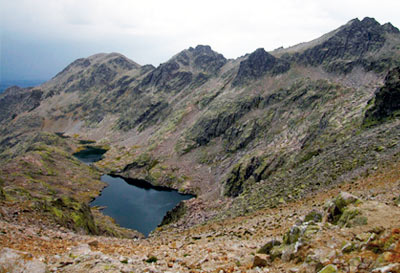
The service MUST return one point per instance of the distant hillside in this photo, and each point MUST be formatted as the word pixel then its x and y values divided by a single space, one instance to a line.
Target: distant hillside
pixel 21 83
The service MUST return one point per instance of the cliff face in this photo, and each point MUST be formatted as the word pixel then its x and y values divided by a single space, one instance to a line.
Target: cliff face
pixel 258 64
pixel 350 45
pixel 254 132
pixel 386 103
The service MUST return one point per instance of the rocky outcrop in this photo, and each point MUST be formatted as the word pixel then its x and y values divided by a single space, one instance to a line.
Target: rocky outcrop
pixel 310 242
pixel 100 75
pixel 258 64
pixel 348 46
pixel 17 261
pixel 238 137
pixel 2 192
pixel 81 63
pixel 16 100
pixel 147 114
pixel 386 103
pixel 174 215
pixel 97 71
pixel 202 58
pixel 207 60
pixel 219 118
pixel 167 77
pixel 72 214
pixel 18 144
pixel 249 171
pixel 338 211
pixel 189 66
pixel 240 176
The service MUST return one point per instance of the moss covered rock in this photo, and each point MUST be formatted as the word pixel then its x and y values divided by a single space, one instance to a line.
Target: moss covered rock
pixel 266 249
pixel 337 207
pixel 397 201
pixel 2 194
pixel 72 214
pixel 219 118
pixel 352 217
pixel 329 269
pixel 240 176
pixel 386 103
pixel 314 215
pixel 292 236
pixel 277 251
pixel 175 214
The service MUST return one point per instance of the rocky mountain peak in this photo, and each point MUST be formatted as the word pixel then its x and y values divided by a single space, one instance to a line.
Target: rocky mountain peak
pixel 348 45
pixel 201 57
pixel 369 21
pixel 202 49
pixel 389 28
pixel 116 60
pixel 119 61
pixel 258 64
pixel 368 24
pixel 96 70
pixel 193 64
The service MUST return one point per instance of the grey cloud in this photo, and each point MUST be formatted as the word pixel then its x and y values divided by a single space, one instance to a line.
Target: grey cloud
pixel 42 36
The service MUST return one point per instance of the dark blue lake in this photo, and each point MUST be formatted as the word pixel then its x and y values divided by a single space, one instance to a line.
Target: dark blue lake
pixel 90 154
pixel 136 204
pixel 133 203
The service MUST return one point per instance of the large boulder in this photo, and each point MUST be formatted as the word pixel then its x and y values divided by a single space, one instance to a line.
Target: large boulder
pixel 266 249
pixel 14 261
pixel 336 207
pixel 329 269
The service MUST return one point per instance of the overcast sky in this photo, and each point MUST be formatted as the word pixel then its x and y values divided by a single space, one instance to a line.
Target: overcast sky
pixel 41 37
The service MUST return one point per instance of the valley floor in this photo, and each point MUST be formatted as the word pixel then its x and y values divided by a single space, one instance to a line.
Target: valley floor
pixel 225 246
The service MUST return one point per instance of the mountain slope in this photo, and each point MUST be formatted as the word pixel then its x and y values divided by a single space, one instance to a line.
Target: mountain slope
pixel 299 237
pixel 244 134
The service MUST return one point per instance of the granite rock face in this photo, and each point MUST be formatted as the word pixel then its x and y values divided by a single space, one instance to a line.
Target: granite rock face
pixel 386 103
pixel 206 59
pixel 258 64
pixel 97 71
pixel 174 215
pixel 349 46
pixel 176 74
pixel 220 118
pixel 16 100
pixel 167 77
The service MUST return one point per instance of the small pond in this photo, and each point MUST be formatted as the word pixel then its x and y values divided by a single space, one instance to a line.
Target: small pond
pixel 90 154
pixel 133 203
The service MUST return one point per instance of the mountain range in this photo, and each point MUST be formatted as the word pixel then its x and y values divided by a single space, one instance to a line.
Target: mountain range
pixel 246 134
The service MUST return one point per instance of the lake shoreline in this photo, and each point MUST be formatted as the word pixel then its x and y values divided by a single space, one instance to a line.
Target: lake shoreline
pixel 126 200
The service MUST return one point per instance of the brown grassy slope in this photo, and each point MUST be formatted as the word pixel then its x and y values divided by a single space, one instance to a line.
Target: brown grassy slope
pixel 228 245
